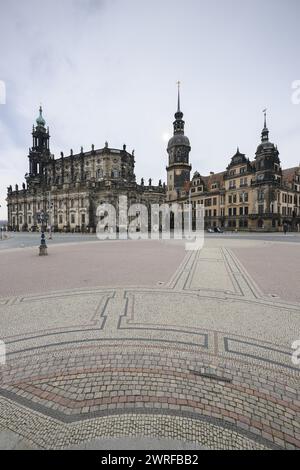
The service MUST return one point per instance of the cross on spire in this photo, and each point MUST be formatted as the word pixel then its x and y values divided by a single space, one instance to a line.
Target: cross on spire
pixel 40 120
pixel 265 115
pixel 178 107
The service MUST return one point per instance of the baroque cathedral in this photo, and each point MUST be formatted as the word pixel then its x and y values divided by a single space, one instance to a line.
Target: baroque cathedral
pixel 70 188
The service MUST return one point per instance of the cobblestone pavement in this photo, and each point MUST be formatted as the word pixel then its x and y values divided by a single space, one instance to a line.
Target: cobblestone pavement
pixel 199 355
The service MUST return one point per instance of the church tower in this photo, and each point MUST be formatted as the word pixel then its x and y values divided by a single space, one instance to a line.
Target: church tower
pixel 267 162
pixel 39 154
pixel 179 168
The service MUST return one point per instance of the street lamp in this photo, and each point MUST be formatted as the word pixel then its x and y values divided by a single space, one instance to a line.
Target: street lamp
pixel 50 215
pixel 42 218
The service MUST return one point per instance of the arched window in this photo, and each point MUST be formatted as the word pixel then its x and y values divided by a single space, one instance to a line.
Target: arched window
pixel 99 173
pixel 260 223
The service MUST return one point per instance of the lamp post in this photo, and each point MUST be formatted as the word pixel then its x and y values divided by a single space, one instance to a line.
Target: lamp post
pixel 50 215
pixel 42 219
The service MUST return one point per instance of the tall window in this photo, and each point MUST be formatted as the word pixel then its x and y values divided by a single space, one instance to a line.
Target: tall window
pixel 99 173
pixel 261 196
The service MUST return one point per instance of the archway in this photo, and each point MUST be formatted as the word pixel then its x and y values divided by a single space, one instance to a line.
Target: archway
pixel 260 223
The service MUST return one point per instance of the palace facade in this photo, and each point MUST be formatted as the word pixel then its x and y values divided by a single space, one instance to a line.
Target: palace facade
pixel 249 195
pixel 70 188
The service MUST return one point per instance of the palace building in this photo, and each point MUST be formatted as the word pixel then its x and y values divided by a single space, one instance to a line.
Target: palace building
pixel 70 188
pixel 249 195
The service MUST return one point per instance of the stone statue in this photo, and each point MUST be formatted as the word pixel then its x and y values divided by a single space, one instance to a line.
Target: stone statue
pixel 150 182
pixel 142 181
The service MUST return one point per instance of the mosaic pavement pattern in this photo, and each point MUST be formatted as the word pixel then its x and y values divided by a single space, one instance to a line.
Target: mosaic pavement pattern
pixel 205 358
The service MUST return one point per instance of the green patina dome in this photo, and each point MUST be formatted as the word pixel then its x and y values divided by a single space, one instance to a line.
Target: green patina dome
pixel 40 120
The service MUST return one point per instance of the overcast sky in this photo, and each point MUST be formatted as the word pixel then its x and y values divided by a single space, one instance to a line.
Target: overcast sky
pixel 107 70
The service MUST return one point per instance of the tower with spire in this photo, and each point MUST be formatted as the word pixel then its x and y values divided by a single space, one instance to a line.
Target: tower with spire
pixel 179 168
pixel 39 154
pixel 267 162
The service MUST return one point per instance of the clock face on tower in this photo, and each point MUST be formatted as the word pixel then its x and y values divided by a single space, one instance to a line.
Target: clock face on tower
pixel 181 178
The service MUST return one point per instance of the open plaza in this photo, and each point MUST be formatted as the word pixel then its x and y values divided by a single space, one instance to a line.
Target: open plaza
pixel 147 345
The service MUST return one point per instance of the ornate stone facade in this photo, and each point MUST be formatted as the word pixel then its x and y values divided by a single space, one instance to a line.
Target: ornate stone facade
pixel 248 195
pixel 71 188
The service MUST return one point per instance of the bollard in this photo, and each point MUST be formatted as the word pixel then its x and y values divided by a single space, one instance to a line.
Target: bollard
pixel 43 246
